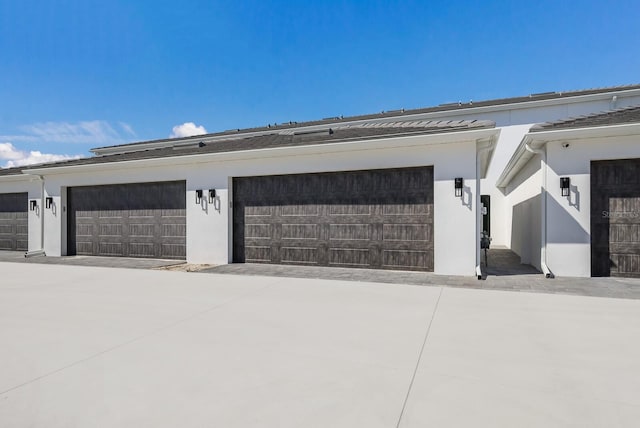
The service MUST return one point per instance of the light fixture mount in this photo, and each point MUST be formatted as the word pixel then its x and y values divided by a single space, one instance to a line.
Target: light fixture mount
pixel 565 186
pixel 458 185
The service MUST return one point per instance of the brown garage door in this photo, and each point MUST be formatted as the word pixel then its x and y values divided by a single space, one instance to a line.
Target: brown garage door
pixel 370 219
pixel 615 218
pixel 14 235
pixel 128 220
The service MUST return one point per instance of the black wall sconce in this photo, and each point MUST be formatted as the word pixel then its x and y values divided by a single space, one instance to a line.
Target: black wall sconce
pixel 565 185
pixel 212 195
pixel 48 202
pixel 33 205
pixel 459 183
pixel 198 196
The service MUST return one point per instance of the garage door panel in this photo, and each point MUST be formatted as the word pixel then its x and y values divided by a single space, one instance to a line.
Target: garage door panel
pixel 299 210
pixel 259 211
pixel 299 255
pixel 142 249
pixel 7 244
pixel 350 208
pixel 351 257
pixel 258 254
pixel 407 232
pixel 625 265
pixel 407 259
pixel 623 248
pixel 139 230
pixel 615 218
pixel 173 230
pixel 105 230
pixel 128 220
pixel 407 209
pixel 624 232
pixel 300 231
pixel 14 229
pixel 173 251
pixel 351 232
pixel 336 219
pixel 110 249
pixel 258 231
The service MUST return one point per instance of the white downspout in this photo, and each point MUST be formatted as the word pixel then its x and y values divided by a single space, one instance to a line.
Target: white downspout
pixel 543 202
pixel 479 150
pixel 40 251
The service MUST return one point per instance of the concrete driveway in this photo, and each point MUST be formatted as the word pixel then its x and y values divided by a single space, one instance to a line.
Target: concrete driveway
pixel 98 347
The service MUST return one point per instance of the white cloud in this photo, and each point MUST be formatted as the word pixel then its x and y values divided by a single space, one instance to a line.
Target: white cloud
pixel 187 129
pixel 13 157
pixel 93 132
pixel 127 128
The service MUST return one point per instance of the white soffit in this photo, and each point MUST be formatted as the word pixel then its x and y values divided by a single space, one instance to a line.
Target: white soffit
pixel 537 140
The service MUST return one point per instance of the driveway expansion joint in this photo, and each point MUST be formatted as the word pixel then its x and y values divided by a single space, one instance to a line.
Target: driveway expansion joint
pixel 415 371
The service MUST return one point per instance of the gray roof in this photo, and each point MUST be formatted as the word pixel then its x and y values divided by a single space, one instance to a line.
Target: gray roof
pixel 282 138
pixel 614 117
pixel 10 171
pixel 402 112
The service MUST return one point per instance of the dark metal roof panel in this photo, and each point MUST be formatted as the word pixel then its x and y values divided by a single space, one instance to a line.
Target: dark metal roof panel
pixel 11 171
pixel 614 117
pixel 289 139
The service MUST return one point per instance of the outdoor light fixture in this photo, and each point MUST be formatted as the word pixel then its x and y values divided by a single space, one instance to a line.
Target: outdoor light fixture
pixel 198 196
pixel 565 185
pixel 458 186
pixel 212 195
pixel 33 205
pixel 48 202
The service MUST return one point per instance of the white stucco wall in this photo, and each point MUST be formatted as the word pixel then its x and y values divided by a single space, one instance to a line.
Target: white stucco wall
pixel 500 215
pixel 514 123
pixel 523 216
pixel 568 218
pixel 209 227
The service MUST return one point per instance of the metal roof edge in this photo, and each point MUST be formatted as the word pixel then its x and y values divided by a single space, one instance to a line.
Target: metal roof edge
pixel 430 139
pixel 516 163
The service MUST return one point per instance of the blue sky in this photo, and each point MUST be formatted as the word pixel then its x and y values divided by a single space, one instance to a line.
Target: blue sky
pixel 77 74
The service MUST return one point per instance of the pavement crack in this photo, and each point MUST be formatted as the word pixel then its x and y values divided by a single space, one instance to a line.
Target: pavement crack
pixel 415 371
pixel 140 337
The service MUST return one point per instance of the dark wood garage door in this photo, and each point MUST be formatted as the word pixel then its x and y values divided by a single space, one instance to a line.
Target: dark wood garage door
pixel 14 229
pixel 128 220
pixel 370 219
pixel 615 218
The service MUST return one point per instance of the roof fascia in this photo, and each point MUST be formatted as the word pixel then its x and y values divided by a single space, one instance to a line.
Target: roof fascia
pixel 486 149
pixel 539 139
pixel 337 147
pixel 15 177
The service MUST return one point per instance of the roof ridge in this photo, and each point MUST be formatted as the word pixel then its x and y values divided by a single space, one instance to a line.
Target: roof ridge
pixel 394 113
